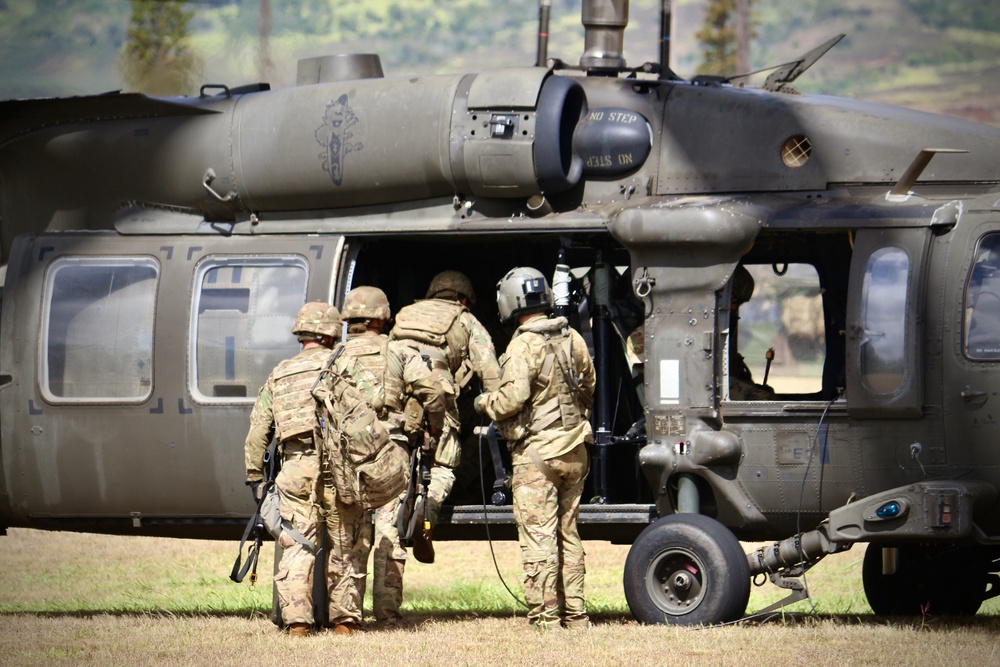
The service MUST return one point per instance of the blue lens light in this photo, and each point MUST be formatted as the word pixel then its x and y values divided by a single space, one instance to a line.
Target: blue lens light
pixel 889 510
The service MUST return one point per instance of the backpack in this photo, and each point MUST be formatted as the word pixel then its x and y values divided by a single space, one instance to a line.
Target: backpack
pixel 433 322
pixel 368 469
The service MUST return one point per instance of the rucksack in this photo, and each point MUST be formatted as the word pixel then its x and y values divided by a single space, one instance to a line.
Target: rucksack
pixel 368 468
pixel 433 322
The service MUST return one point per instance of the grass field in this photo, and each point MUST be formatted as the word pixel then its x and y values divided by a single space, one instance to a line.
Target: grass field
pixel 89 599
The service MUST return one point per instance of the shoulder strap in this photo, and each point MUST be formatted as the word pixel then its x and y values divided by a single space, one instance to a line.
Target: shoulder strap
pixel 253 551
pixel 565 366
pixel 542 466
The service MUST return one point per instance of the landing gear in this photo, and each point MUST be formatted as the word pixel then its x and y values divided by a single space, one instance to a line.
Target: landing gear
pixel 686 569
pixel 952 580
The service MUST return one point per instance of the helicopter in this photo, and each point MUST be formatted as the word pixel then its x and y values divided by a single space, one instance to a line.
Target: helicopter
pixel 155 252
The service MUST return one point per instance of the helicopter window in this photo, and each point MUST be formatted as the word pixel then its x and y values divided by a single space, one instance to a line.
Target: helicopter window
pixel 982 301
pixel 883 317
pixel 98 329
pixel 243 312
pixel 780 315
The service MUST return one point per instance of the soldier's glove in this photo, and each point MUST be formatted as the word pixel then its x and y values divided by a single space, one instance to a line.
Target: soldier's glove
pixel 257 489
pixel 480 403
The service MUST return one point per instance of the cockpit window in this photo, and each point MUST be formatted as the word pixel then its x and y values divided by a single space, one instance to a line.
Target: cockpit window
pixel 242 318
pixel 883 320
pixel 982 302
pixel 97 337
pixel 777 312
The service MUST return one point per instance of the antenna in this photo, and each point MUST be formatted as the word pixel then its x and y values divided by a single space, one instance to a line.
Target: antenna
pixel 544 9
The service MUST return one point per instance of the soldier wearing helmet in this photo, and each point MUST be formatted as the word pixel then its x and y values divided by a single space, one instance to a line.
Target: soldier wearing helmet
pixel 455 345
pixel 404 377
pixel 742 386
pixel 285 409
pixel 542 406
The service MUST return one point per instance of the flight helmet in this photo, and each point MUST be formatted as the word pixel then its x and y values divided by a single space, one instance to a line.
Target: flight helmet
pixel 523 290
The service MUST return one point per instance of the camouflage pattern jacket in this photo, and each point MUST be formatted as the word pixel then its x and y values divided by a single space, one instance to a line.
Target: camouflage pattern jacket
pixel 446 330
pixel 403 375
pixel 532 387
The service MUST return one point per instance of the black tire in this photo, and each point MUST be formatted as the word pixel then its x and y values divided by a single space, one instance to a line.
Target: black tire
pixel 686 569
pixel 935 580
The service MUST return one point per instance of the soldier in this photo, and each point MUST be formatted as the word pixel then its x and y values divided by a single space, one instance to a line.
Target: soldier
pixel 742 386
pixel 402 374
pixel 450 340
pixel 286 409
pixel 542 407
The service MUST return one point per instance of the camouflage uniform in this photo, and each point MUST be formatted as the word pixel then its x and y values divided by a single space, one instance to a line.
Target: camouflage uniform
pixel 285 406
pixel 464 344
pixel 402 373
pixel 349 541
pixel 536 409
pixel 741 384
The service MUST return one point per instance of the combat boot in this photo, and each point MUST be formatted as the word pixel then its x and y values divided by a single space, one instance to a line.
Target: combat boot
pixel 423 544
pixel 298 630
pixel 345 629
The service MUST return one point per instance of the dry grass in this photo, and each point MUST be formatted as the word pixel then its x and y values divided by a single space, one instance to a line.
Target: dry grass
pixel 87 599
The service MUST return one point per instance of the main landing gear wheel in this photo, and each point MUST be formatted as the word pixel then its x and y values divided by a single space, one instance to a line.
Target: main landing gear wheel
pixel 686 569
pixel 936 580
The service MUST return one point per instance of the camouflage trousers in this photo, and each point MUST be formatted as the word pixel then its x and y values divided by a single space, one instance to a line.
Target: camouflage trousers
pixel 311 507
pixel 447 456
pixel 388 562
pixel 442 480
pixel 551 550
pixel 348 560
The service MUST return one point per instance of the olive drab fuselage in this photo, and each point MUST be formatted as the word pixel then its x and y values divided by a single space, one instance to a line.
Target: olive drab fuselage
pixel 155 260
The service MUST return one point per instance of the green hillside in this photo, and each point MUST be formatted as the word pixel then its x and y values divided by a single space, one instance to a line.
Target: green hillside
pixel 938 55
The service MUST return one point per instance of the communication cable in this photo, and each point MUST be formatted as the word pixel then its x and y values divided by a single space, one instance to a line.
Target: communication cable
pixel 486 520
pixel 802 490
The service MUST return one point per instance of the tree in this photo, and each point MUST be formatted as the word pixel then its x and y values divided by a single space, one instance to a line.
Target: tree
pixel 156 57
pixel 725 37
pixel 975 14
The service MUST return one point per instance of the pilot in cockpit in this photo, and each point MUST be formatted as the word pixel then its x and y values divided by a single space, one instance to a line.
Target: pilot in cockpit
pixel 741 383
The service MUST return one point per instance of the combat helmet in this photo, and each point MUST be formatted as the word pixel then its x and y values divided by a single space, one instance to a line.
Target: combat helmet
pixel 451 285
pixel 317 318
pixel 366 303
pixel 523 290
pixel 743 285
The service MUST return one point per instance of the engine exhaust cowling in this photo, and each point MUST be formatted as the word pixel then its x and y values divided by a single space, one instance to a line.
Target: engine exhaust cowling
pixel 503 134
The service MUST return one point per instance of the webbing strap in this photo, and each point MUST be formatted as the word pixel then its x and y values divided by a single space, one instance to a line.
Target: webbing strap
pixel 571 379
pixel 542 466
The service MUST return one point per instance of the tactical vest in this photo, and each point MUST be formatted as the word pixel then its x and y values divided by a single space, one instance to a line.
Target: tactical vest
pixel 370 352
pixel 557 369
pixel 291 402
pixel 435 322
